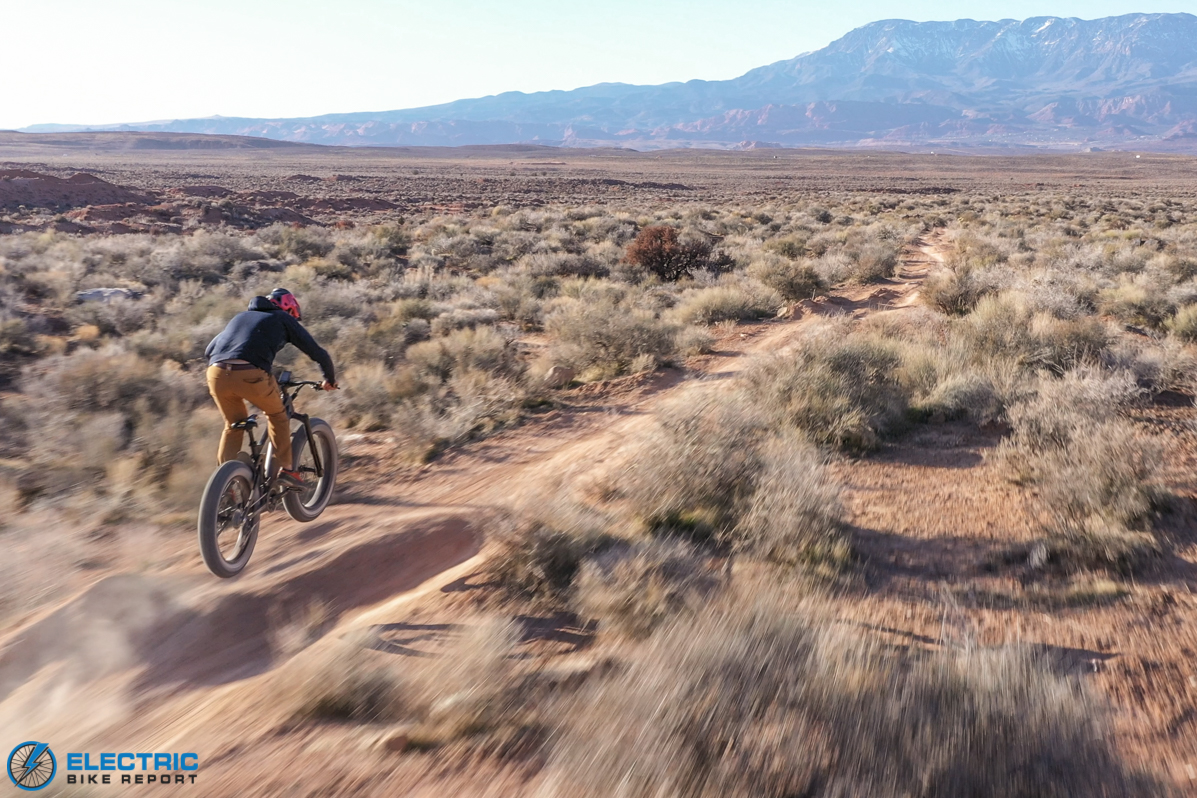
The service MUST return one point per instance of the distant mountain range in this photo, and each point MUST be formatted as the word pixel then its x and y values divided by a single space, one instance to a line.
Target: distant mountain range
pixel 1048 82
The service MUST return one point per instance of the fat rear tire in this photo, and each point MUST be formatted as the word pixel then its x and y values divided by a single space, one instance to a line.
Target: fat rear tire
pixel 308 505
pixel 226 543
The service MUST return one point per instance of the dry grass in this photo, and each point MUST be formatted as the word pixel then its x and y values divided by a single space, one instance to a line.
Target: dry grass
pixel 694 473
pixel 957 291
pixel 727 302
pixel 1184 324
pixel 769 700
pixel 477 693
pixel 537 557
pixel 791 279
pixel 1097 478
pixel 633 589
pixel 346 684
pixel 839 391
pixel 795 516
pixel 605 339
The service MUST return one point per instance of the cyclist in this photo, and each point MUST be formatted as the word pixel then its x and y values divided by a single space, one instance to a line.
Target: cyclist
pixel 239 363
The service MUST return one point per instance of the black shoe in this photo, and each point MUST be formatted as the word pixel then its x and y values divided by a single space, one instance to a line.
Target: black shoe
pixel 290 480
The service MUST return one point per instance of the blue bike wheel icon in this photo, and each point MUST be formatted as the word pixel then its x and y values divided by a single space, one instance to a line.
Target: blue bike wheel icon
pixel 31 765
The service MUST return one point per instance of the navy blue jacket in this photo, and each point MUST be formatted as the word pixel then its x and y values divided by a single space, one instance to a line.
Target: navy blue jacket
pixel 258 334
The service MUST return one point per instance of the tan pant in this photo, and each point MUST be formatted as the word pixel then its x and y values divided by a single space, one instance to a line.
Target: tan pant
pixel 231 390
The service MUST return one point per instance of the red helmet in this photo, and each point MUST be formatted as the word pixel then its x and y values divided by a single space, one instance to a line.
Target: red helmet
pixel 286 301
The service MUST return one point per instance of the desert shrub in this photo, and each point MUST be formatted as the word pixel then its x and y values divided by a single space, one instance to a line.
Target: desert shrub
pixel 565 265
pixel 1103 472
pixel 839 392
pixel 605 339
pixel 723 303
pixel 977 250
pixel 794 515
pixel 767 701
pixel 1049 417
pixel 478 693
pixel 669 256
pixel 1094 547
pixel 1003 326
pixel 462 318
pixel 330 268
pixel 147 446
pixel 692 341
pixel 833 267
pixel 347 684
pixel 956 291
pixel 480 349
pixel 1182 266
pixel 116 317
pixel 792 279
pixel 16 338
pixel 298 243
pixel 824 243
pixel 392 238
pixel 695 470
pixel 968 395
pixel 519 299
pixel 537 558
pixel 1140 300
pixel 1184 324
pixel 370 393
pixel 469 405
pixel 204 256
pixel 108 379
pixel 1163 365
pixel 790 247
pixel 390 336
pixel 875 261
pixel 184 344
pixel 458 387
pixel 1064 295
pixel 1097 480
pixel 710 472
pixel 1063 344
pixel 1183 294
pixel 633 589
pixel 998 326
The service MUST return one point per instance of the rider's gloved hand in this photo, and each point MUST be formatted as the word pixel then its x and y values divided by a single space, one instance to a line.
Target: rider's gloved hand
pixel 328 386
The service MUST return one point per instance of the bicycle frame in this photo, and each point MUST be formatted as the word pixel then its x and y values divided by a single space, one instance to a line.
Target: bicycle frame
pixel 263 483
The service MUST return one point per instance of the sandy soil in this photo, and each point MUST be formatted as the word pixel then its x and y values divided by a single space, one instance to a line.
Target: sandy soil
pixel 179 661
pixel 199 181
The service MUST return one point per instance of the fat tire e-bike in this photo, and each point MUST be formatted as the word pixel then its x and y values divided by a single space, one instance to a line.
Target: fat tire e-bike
pixel 241 490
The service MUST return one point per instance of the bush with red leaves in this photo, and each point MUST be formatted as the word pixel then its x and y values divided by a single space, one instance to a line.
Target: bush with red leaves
pixel 659 249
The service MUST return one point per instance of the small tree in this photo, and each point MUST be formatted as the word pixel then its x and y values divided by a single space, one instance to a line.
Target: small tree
pixel 659 249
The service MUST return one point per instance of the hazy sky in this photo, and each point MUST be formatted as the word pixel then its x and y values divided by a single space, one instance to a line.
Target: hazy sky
pixel 103 61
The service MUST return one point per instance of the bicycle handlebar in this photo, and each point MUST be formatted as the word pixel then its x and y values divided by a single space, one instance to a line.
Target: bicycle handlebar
pixel 319 386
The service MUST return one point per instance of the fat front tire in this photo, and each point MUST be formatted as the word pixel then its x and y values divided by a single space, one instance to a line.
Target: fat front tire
pixel 227 532
pixel 307 505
